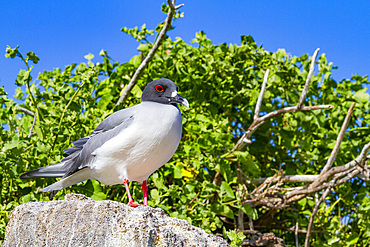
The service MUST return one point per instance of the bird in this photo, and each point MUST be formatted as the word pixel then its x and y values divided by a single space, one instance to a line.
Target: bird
pixel 128 145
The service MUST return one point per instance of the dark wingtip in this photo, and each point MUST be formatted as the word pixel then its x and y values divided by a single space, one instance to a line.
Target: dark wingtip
pixel 39 174
pixel 27 175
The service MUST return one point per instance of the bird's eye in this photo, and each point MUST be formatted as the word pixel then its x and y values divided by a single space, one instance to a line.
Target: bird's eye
pixel 159 88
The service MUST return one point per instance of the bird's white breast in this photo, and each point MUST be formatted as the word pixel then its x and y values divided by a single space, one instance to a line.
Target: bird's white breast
pixel 145 145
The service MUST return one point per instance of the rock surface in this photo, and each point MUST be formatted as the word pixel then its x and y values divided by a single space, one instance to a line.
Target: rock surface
pixel 82 221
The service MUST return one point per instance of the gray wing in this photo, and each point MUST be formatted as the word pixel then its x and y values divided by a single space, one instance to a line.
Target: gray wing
pixel 81 155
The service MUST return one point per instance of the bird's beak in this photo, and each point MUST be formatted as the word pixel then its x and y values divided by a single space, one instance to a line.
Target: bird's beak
pixel 179 99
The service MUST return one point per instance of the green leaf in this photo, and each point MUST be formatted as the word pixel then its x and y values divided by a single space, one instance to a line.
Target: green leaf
pixel 143 47
pixel 136 90
pixel 223 210
pixel 103 53
pixel 41 147
pixel 99 196
pixel 39 132
pixel 353 239
pixel 27 198
pixel 136 61
pixel 32 56
pixel 248 164
pixel 154 196
pixel 104 101
pixel 177 171
pixel 12 53
pixel 89 56
pixel 158 181
pixel 22 78
pixel 362 96
pixel 247 209
pixel 226 191
pixel 199 183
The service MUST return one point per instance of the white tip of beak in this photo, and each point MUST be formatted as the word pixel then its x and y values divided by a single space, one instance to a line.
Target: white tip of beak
pixel 185 103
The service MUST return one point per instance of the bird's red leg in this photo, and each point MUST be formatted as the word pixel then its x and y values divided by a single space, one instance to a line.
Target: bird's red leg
pixel 145 193
pixel 130 201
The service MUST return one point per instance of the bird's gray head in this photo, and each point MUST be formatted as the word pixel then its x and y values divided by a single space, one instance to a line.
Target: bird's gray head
pixel 163 91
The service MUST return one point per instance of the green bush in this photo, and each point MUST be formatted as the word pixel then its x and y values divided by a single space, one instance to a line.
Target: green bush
pixel 222 83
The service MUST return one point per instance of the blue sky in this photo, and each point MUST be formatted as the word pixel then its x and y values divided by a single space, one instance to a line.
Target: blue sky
pixel 62 32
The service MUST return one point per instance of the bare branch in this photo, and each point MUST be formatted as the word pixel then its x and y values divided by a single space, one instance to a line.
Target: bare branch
pixel 296 233
pixel 293 196
pixel 349 176
pixel 269 193
pixel 261 120
pixel 240 220
pixel 316 208
pixel 250 232
pixel 126 91
pixel 335 150
pixel 319 183
pixel 33 124
pixel 179 6
pixel 292 229
pixel 290 178
pixel 250 181
pixel 24 110
pixel 258 121
pixel 251 226
pixel 363 155
pixel 260 97
pixel 171 3
pixel 312 178
pixel 29 113
pixel 308 80
pixel 270 115
pixel 289 188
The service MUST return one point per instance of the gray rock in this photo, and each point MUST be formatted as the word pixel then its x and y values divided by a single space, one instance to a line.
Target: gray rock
pixel 82 221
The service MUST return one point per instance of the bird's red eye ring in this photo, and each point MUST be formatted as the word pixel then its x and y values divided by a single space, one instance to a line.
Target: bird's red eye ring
pixel 159 88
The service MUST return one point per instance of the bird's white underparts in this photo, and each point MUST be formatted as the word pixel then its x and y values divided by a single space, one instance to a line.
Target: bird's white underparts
pixel 129 145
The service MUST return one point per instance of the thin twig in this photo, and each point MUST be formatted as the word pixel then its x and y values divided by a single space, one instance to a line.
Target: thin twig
pixel 316 208
pixel 33 124
pixel 240 181
pixel 349 176
pixel 192 200
pixel 250 232
pixel 296 233
pixel 258 121
pixel 308 80
pixel 261 120
pixel 335 150
pixel 126 91
pixel 296 195
pixel 363 155
pixel 292 229
pixel 289 189
pixel 28 80
pixel 260 97
pixel 270 115
pixel 65 109
pixel 251 227
pixel 290 179
pixel 269 195
pixel 24 110
pixel 240 219
pixel 249 179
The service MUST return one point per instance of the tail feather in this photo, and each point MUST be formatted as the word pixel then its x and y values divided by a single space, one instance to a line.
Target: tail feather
pixel 75 178
pixel 53 171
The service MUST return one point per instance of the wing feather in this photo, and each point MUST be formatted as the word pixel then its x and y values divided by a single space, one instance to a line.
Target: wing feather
pixel 82 154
